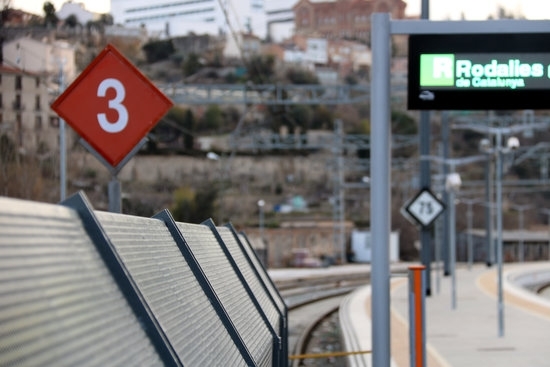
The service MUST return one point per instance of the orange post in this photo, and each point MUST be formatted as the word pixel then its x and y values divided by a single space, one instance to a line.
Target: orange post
pixel 417 324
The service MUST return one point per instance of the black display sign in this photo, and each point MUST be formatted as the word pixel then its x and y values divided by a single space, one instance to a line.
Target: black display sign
pixel 479 71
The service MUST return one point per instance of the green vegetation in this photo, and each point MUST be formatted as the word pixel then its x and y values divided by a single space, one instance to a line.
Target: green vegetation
pixel 158 50
pixel 194 206
pixel 50 19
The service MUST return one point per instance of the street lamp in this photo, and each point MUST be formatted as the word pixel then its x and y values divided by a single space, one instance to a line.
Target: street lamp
pixel 217 158
pixel 498 150
pixel 261 205
pixel 452 185
pixel 486 146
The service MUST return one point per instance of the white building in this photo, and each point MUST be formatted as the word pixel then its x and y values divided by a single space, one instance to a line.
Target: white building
pixel 317 50
pixel 31 72
pixel 361 245
pixel 177 18
pixel 280 19
pixel 41 57
pixel 26 117
pixel 242 45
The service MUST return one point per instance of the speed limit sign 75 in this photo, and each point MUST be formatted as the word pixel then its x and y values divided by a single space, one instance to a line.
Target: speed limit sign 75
pixel 425 207
pixel 112 105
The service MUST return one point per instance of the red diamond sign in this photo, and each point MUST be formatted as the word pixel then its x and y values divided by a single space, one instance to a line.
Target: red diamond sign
pixel 112 105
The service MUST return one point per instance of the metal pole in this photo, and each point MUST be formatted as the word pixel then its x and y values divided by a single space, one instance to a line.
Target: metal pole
pixel 261 204
pixel 341 202
pixel 499 234
pixel 62 143
pixel 445 134
pixel 425 179
pixel 470 222
pixel 115 200
pixel 262 223
pixel 489 213
pixel 520 257
pixel 62 160
pixel 380 189
pixel 470 217
pixel 521 225
pixel 437 254
pixel 452 246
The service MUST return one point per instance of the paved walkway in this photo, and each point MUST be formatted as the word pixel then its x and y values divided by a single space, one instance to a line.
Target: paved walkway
pixel 468 335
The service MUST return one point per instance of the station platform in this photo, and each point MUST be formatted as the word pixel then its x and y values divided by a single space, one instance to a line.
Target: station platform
pixel 465 336
pixel 468 335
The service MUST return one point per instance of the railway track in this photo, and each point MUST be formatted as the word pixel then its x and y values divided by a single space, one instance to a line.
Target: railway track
pixel 313 316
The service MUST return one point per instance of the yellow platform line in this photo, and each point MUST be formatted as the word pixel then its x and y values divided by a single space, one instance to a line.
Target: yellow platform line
pixel 328 354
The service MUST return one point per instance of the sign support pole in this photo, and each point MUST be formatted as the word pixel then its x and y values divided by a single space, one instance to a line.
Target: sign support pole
pixel 62 143
pixel 115 197
pixel 114 189
pixel 380 189
pixel 425 177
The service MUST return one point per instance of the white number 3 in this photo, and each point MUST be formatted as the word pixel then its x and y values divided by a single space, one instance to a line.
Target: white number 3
pixel 115 104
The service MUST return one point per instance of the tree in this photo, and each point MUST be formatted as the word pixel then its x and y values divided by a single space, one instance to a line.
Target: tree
pixel 212 119
pixel 261 69
pixel 301 76
pixel 194 207
pixel 99 25
pixel 322 118
pixel 71 22
pixel 191 64
pixel 184 121
pixel 189 125
pixel 402 123
pixel 158 50
pixel 50 19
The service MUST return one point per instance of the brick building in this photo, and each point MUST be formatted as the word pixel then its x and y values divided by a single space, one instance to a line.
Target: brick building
pixel 342 19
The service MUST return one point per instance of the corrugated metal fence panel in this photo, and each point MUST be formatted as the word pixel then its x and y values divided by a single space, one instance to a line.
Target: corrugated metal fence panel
pixel 230 290
pixel 271 288
pixel 59 305
pixel 175 296
pixel 266 302
pixel 263 274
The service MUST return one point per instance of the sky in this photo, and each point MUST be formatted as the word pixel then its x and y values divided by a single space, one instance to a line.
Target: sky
pixel 35 6
pixel 439 9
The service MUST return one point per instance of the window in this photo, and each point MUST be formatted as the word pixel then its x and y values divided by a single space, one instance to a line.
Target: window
pixel 18 82
pixel 38 123
pixel 19 130
pixel 17 103
pixel 54 121
pixel 37 103
pixel 37 81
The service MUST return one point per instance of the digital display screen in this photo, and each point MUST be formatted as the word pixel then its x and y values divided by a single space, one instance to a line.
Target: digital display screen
pixel 487 71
